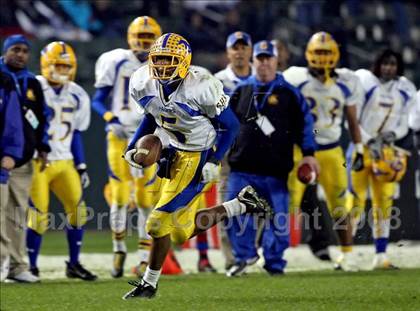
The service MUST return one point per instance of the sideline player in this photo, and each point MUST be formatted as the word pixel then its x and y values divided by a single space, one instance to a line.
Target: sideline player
pixel 383 119
pixel 113 71
pixel 66 172
pixel 183 102
pixel 330 92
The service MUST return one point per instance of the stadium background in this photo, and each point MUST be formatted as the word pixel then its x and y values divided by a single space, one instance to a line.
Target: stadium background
pixel 361 28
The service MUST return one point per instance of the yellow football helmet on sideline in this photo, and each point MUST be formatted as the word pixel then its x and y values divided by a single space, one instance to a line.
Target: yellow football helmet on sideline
pixel 322 51
pixel 142 32
pixel 392 165
pixel 58 53
pixel 178 52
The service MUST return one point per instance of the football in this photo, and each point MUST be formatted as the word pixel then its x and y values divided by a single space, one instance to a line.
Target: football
pixel 148 148
pixel 306 174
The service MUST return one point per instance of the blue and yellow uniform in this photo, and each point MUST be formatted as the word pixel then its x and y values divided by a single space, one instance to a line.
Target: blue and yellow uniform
pixel 185 113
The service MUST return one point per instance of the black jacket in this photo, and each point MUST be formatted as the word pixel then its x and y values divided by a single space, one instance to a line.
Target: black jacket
pixel 254 152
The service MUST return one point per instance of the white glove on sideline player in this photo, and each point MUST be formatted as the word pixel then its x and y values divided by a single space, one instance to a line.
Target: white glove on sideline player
pixel 210 172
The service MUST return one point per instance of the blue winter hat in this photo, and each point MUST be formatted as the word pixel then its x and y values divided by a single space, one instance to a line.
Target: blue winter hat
pixel 13 40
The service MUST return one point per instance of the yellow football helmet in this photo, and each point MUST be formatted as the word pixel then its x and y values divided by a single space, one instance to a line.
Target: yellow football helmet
pixel 177 52
pixel 142 32
pixel 392 165
pixel 58 53
pixel 322 51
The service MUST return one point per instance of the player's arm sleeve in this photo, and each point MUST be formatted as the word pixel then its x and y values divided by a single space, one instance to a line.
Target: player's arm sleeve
pixel 229 128
pixel 212 100
pixel 147 126
pixel 414 116
pixel 83 112
pixel 411 101
pixel 99 98
pixel 12 139
pixel 77 148
pixel 305 135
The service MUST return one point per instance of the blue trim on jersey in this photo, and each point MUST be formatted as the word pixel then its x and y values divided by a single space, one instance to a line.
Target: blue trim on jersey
pixel 349 155
pixel 182 199
pixel 300 86
pixel 165 40
pixel 77 100
pixel 344 89
pixel 368 95
pixel 229 125
pixel 188 109
pixel 77 148
pixel 67 109
pixel 147 126
pixel 98 100
pixel 117 68
pixel 145 100
pixel 405 96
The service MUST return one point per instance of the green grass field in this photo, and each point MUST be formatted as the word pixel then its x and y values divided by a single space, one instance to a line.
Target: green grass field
pixel 395 290
pixel 321 290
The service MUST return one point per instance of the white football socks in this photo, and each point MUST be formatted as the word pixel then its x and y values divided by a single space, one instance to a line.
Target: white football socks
pixel 151 276
pixel 234 208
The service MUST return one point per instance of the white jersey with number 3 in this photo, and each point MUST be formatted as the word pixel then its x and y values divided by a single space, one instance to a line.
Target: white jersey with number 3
pixel 386 106
pixel 114 68
pixel 185 117
pixel 70 110
pixel 326 101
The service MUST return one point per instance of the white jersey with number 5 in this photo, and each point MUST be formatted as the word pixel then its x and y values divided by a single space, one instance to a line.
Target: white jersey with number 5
pixel 114 68
pixel 327 101
pixel 70 109
pixel 185 117
pixel 386 106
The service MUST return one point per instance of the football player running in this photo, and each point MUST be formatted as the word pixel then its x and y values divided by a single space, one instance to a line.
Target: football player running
pixel 183 102
pixel 65 174
pixel 113 71
pixel 384 119
pixel 330 92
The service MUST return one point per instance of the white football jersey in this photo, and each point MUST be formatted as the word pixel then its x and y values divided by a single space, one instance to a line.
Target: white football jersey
pixel 71 111
pixel 229 79
pixel 386 106
pixel 327 101
pixel 414 117
pixel 185 117
pixel 114 68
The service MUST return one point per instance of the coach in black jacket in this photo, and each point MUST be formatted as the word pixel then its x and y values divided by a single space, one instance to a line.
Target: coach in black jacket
pixel 35 125
pixel 274 116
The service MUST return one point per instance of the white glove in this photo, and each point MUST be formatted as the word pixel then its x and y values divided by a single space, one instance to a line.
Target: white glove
pixel 210 172
pixel 84 176
pixel 118 129
pixel 129 157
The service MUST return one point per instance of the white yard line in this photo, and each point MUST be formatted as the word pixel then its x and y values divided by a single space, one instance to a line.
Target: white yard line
pixel 404 255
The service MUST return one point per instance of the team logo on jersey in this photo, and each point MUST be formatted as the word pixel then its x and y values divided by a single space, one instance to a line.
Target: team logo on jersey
pixel 30 95
pixel 273 100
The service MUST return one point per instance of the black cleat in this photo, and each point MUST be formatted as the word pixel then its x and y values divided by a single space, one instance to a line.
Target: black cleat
pixel 253 202
pixel 118 264
pixel 204 265
pixel 34 271
pixel 142 290
pixel 78 271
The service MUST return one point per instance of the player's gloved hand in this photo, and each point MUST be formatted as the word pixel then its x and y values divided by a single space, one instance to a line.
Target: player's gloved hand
pixel 358 164
pixel 129 157
pixel 388 137
pixel 117 128
pixel 211 171
pixel 84 176
pixel 375 148
pixel 167 157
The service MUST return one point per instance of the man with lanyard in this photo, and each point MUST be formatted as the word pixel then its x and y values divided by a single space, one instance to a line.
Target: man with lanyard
pixel 35 125
pixel 274 116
